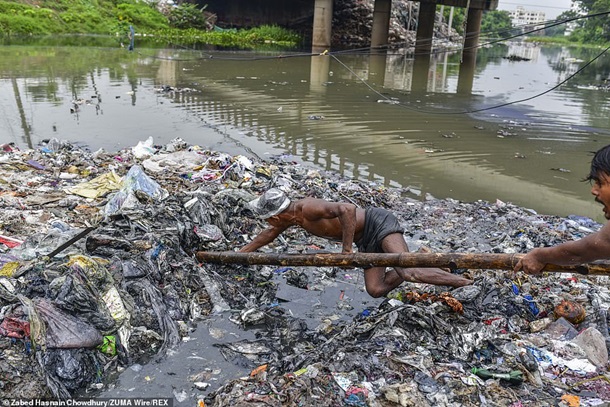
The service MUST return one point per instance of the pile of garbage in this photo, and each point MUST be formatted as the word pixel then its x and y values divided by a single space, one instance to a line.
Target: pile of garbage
pixel 353 23
pixel 97 273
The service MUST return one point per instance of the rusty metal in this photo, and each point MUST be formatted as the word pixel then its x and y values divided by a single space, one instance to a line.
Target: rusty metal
pixel 492 261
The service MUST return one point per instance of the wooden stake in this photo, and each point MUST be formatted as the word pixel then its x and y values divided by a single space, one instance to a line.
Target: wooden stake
pixel 493 261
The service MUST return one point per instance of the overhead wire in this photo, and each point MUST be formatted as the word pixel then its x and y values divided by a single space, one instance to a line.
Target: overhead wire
pixel 473 110
pixel 470 111
pixel 386 47
pixel 537 95
pixel 367 50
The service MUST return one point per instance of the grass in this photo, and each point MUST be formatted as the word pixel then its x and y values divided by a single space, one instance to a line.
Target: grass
pixel 113 17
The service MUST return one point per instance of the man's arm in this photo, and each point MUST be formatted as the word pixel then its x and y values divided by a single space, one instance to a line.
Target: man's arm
pixel 590 248
pixel 264 238
pixel 347 218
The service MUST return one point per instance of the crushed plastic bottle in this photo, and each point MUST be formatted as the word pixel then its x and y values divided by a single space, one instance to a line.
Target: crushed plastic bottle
pixel 514 377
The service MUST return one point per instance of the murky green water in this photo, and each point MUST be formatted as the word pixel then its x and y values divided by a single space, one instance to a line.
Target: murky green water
pixel 336 112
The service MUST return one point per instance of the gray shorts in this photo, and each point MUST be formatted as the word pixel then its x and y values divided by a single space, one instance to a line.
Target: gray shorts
pixel 378 223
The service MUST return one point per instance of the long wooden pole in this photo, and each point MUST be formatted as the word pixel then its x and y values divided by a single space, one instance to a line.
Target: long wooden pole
pixel 490 261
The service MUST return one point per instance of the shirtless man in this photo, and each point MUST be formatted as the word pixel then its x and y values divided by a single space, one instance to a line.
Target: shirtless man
pixel 593 247
pixel 374 230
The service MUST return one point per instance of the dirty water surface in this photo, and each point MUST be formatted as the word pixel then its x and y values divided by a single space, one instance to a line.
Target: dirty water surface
pixel 363 116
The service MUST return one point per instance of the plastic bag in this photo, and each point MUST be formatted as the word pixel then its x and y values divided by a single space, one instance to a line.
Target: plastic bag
pixel 136 181
pixel 144 148
pixel 68 369
pixel 71 294
pixel 66 331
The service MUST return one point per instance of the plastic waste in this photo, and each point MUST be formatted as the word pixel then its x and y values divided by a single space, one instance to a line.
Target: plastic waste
pixel 98 186
pixel 213 289
pixel 135 181
pixel 514 377
pixel 74 294
pixel 528 299
pixel 108 345
pixel 115 305
pixel 15 328
pixel 64 330
pixel 69 369
pixel 208 233
pixel 10 242
pixel 561 329
pixel 151 284
pixel 144 148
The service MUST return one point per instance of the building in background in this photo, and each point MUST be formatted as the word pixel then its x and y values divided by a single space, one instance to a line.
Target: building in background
pixel 527 19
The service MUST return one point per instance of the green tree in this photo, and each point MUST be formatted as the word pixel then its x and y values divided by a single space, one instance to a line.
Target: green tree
pixel 560 29
pixel 457 22
pixel 496 23
pixel 594 29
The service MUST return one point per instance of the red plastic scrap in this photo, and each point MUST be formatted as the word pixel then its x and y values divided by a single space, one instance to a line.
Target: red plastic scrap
pixel 357 390
pixel 491 320
pixel 15 328
pixel 9 241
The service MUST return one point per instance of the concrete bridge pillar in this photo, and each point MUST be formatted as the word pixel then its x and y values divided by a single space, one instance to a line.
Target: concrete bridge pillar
pixel 425 28
pixel 469 53
pixel 381 23
pixel 322 25
pixel 423 46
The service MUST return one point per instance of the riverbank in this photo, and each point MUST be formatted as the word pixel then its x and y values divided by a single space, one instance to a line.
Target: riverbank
pixel 158 22
pixel 130 292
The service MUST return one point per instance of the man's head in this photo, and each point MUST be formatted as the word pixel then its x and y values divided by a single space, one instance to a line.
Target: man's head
pixel 271 203
pixel 600 165
pixel 599 176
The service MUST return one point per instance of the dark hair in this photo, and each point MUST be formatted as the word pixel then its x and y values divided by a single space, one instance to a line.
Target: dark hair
pixel 600 164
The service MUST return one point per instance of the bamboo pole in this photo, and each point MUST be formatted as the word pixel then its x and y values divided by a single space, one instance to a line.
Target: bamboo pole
pixel 493 261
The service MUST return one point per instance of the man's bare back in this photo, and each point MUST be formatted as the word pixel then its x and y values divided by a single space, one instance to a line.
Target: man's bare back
pixel 322 218
pixel 349 224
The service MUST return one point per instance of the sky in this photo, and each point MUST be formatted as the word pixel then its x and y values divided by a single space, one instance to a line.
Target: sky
pixel 551 8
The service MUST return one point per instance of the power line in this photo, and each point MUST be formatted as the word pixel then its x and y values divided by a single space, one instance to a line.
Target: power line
pixel 530 6
pixel 369 50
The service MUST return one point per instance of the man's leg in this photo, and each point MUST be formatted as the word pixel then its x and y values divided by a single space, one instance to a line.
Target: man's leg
pixel 395 243
pixel 379 282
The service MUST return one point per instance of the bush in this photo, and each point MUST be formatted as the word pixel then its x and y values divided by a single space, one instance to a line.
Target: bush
pixel 83 22
pixel 12 8
pixel 22 25
pixel 272 33
pixel 188 16
pixel 141 16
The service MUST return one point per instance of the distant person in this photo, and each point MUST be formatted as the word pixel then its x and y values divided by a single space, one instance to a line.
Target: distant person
pixel 131 36
pixel 374 230
pixel 590 248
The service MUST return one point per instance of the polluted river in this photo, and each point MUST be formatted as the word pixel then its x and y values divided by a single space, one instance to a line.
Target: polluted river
pixel 114 176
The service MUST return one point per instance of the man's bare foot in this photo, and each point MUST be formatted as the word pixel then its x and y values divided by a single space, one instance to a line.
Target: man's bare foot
pixel 425 249
pixel 463 283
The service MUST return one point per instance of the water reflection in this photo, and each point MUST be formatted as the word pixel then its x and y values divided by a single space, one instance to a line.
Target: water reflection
pixel 339 112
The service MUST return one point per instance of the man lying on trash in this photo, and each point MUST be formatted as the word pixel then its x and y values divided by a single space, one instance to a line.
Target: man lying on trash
pixel 593 247
pixel 374 230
